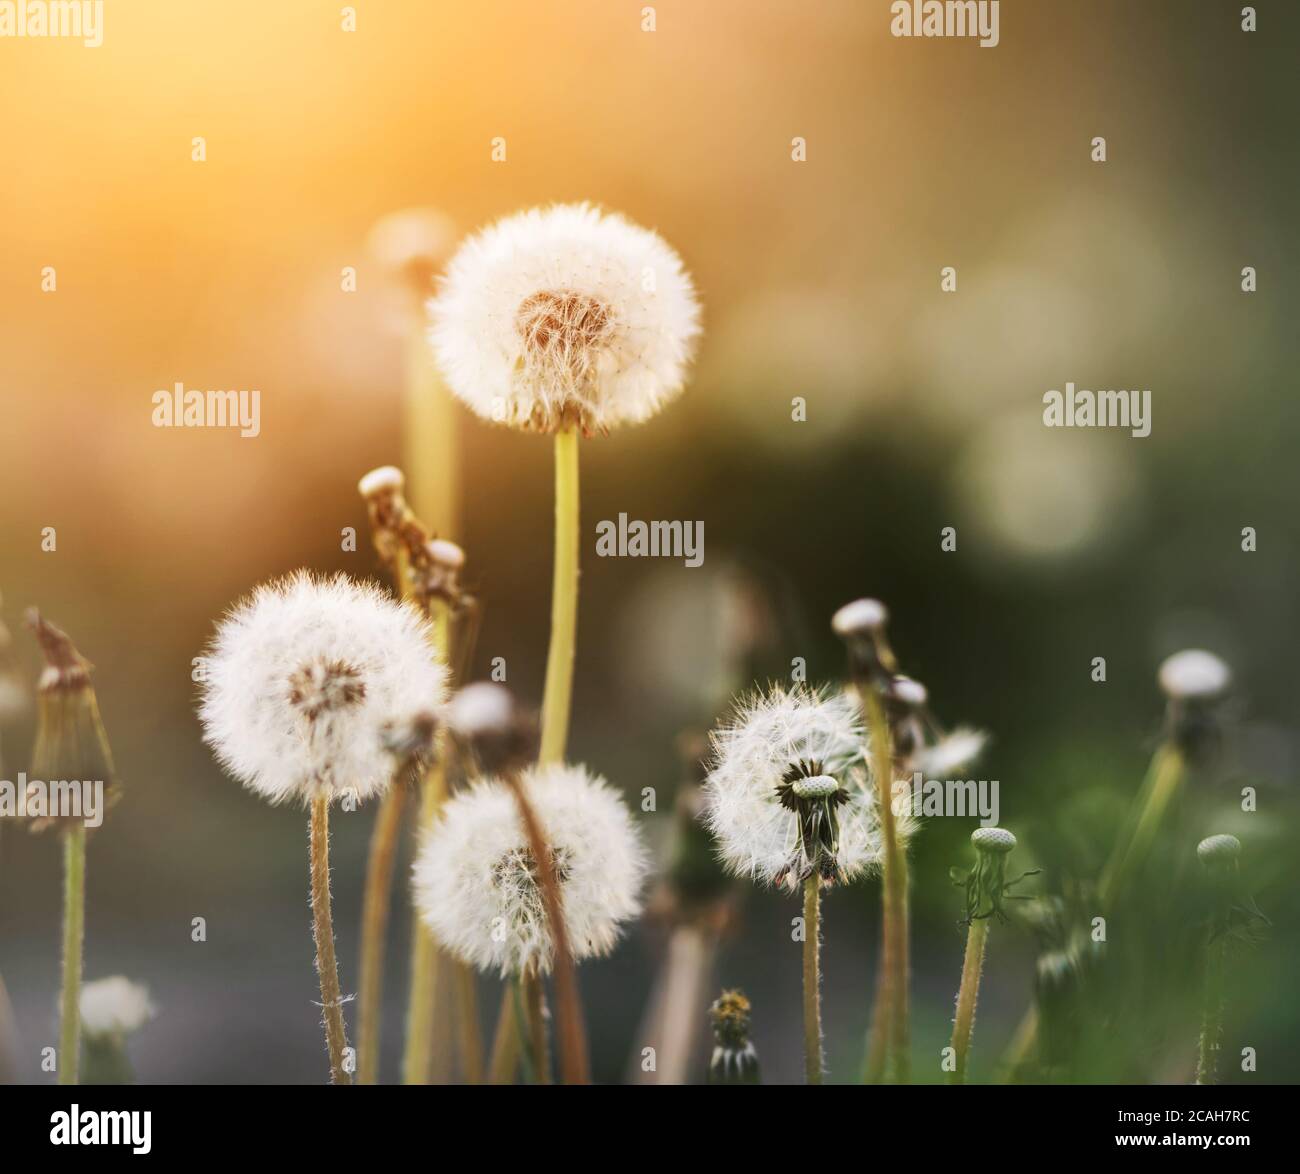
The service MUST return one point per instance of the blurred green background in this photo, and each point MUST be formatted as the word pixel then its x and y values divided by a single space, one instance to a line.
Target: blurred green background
pixel 819 279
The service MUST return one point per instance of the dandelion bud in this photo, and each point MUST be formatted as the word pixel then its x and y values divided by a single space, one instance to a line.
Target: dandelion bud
pixel 1195 682
pixel 986 884
pixel 861 625
pixel 71 743
pixel 734 1059
pixel 485 718
pixel 111 1009
pixel 1218 851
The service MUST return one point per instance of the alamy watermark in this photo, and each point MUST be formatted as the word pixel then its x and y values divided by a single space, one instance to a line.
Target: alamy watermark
pixel 1116 408
pixel 920 796
pixel 81 20
pixel 58 799
pixel 947 18
pixel 636 539
pixel 191 408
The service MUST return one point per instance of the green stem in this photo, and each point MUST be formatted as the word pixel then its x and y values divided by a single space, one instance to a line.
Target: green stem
pixel 74 928
pixel 429 450
pixel 812 1000
pixel 558 697
pixel 1164 781
pixel 964 1024
pixel 323 928
pixel 1207 1061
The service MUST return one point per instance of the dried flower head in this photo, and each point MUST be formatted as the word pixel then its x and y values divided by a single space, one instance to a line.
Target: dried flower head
pixel 862 626
pixel 919 741
pixel 565 315
pixel 305 680
pixel 114 1007
pixel 477 885
pixel 790 790
pixel 734 1059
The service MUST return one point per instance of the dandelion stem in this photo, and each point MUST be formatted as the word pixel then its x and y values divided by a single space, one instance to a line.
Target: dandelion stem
pixel 963 1026
pixel 505 1044
pixel 471 1043
pixel 558 696
pixel 429 437
pixel 418 1058
pixel 323 928
pixel 892 1023
pixel 812 999
pixel 374 929
pixel 1163 782
pixel 74 926
pixel 1207 1061
pixel 568 1007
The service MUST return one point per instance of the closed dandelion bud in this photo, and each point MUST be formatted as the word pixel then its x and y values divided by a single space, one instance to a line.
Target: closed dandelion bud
pixel 111 1009
pixel 565 316
pixel 734 1059
pixel 71 745
pixel 1195 683
pixel 500 736
pixel 861 625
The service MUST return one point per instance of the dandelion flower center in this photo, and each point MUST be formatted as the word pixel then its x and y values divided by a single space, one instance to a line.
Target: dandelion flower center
pixel 325 686
pixel 815 787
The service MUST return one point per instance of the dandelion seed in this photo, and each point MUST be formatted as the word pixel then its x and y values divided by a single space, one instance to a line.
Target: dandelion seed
pixel 477 885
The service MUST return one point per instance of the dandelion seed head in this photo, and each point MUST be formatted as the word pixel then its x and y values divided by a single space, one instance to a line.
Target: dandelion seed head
pixel 114 1006
pixel 481 709
pixel 477 886
pixel 565 315
pixel 770 735
pixel 305 679
pixel 1194 675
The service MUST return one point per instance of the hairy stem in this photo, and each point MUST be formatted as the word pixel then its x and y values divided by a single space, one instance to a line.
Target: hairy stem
pixel 964 1024
pixel 1207 1060
pixel 323 929
pixel 374 929
pixel 74 928
pixel 558 694
pixel 812 999
pixel 893 987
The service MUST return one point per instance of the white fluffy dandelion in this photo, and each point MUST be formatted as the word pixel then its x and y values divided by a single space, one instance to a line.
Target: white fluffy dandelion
pixel 303 676
pixel 477 885
pixel 114 1007
pixel 1194 675
pixel 565 315
pixel 783 746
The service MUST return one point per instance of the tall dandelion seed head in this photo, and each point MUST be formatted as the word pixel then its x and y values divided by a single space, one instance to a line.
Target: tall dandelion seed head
pixel 305 679
pixel 778 756
pixel 565 316
pixel 477 886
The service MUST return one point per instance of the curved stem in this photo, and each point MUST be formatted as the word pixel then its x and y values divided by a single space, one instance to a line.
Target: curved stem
pixel 964 1024
pixel 374 929
pixel 558 697
pixel 1164 781
pixel 74 928
pixel 812 999
pixel 571 1029
pixel 323 929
